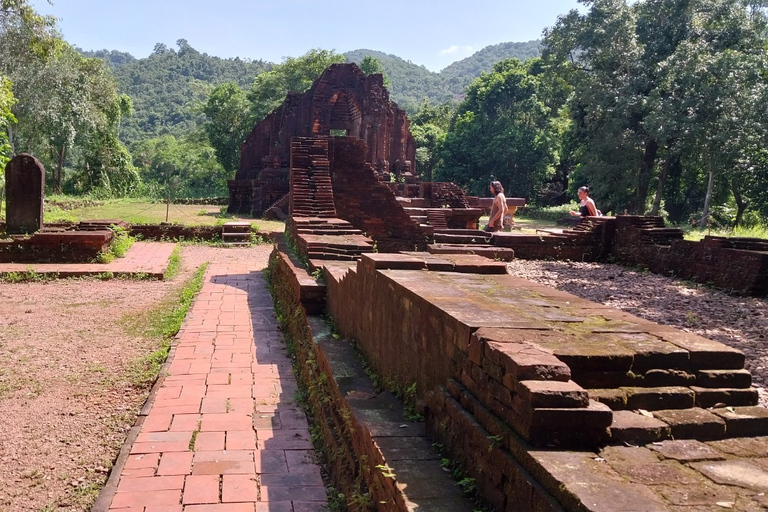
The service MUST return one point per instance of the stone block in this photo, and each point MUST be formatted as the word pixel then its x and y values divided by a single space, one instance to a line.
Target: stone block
pixel 723 379
pixel 693 423
pixel 616 399
pixel 707 398
pixel 735 472
pixel 551 394
pixel 637 429
pixel 686 451
pixel 704 354
pixel 24 193
pixel 652 399
pixel 745 421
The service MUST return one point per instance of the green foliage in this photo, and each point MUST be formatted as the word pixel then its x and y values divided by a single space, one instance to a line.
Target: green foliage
pixel 503 130
pixel 411 84
pixel 180 166
pixel 174 264
pixel 667 93
pixel 169 87
pixel 121 242
pixel 6 120
pixel 371 65
pixel 229 121
pixel 292 75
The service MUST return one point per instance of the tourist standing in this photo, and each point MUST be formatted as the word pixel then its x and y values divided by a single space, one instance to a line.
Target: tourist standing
pixel 498 208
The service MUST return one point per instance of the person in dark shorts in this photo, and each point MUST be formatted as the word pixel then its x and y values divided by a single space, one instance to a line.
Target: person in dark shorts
pixel 498 208
pixel 587 206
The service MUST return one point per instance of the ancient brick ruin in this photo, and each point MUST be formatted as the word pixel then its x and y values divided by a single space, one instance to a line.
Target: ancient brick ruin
pixel 344 102
pixel 548 402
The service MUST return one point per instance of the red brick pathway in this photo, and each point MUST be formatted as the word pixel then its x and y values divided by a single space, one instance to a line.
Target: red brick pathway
pixel 224 433
pixel 150 258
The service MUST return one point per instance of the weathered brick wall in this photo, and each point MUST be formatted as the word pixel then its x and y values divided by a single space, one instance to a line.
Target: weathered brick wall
pixel 367 203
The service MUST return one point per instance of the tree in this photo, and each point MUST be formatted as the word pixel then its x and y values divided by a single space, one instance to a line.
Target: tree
pixel 429 126
pixel 6 120
pixel 371 65
pixel 229 121
pixel 503 131
pixel 189 164
pixel 293 75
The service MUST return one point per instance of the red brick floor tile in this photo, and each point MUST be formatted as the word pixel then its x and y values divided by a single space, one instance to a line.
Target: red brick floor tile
pixel 239 488
pixel 308 479
pixel 218 379
pixel 229 390
pixel 301 461
pixel 142 461
pixel 175 463
pixel 293 492
pixel 310 506
pixel 238 462
pixel 185 422
pixel 177 508
pixel 164 437
pixel 141 498
pixel 283 440
pixel 241 440
pixel 156 422
pixel 274 506
pixel 270 461
pixel 159 447
pixel 138 473
pixel 229 421
pixel 208 441
pixel 149 484
pixel 193 391
pixel 226 507
pixel 201 489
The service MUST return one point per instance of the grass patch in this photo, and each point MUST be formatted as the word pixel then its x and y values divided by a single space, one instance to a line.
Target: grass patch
pixel 695 234
pixel 121 242
pixel 162 322
pixel 143 211
pixel 30 275
pixel 174 264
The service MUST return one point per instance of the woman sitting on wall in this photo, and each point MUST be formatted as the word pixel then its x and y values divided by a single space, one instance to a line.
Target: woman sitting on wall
pixel 587 206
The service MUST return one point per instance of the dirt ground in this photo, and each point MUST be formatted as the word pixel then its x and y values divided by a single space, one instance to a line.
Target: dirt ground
pixel 66 393
pixel 739 322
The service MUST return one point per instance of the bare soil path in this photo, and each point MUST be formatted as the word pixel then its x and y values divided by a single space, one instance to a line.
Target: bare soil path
pixel 739 322
pixel 67 393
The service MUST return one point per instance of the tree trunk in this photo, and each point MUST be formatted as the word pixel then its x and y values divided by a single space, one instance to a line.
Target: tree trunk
pixel 708 199
pixel 741 204
pixel 644 177
pixel 59 165
pixel 660 188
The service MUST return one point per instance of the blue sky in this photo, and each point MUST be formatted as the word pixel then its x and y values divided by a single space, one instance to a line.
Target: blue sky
pixel 433 34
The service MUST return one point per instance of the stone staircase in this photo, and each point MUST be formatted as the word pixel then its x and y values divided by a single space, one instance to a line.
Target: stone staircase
pixel 311 186
pixel 436 218
pixel 236 233
pixel 662 383
pixel 321 238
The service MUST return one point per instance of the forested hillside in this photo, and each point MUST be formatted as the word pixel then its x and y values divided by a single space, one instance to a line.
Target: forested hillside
pixel 412 83
pixel 169 87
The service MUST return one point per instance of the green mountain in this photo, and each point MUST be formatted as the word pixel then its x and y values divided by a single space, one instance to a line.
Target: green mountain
pixel 168 86
pixel 412 83
pixel 461 73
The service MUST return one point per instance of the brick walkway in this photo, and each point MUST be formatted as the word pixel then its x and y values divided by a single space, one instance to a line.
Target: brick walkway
pixel 224 432
pixel 150 258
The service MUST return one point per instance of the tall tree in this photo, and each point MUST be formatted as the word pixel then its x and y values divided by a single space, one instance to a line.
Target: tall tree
pixel 503 130
pixel 6 120
pixel 229 121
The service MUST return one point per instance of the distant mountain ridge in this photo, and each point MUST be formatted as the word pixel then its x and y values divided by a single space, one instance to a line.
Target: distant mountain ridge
pixel 411 82
pixel 168 86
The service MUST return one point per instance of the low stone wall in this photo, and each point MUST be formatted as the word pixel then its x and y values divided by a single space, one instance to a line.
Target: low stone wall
pixel 175 232
pixel 55 247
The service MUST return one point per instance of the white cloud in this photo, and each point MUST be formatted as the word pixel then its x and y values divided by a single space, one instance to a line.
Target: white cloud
pixel 453 49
